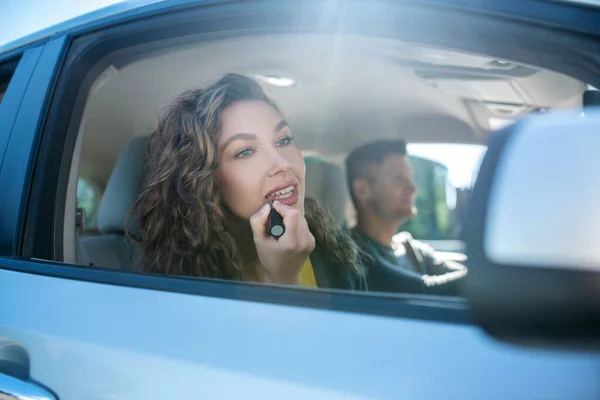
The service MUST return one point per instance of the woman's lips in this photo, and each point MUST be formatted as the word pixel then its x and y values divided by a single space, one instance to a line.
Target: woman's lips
pixel 289 197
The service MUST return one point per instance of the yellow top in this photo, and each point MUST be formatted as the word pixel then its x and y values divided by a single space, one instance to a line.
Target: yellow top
pixel 307 275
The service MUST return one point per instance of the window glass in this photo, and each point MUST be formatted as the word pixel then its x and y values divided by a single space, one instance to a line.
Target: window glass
pixel 8 107
pixel 6 74
pixel 192 215
pixel 444 174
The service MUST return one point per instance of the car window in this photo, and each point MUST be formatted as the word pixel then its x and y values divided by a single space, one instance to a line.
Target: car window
pixel 442 171
pixel 444 174
pixel 9 105
pixel 7 70
pixel 184 171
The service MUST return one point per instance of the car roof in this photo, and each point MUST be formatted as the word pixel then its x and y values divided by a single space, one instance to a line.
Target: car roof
pixel 130 8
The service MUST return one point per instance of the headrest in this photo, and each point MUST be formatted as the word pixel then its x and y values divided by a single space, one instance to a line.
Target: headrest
pixel 123 187
pixel 326 183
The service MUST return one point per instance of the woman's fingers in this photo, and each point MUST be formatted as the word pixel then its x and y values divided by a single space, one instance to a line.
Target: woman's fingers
pixel 284 209
pixel 297 235
pixel 258 222
pixel 291 216
pixel 310 239
pixel 282 258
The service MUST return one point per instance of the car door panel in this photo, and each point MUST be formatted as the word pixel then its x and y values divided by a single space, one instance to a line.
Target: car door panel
pixel 96 341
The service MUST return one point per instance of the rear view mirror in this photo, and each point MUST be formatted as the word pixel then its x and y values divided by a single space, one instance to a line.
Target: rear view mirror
pixel 534 233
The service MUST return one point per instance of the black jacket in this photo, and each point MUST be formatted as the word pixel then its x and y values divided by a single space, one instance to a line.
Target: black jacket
pixel 409 266
pixel 329 275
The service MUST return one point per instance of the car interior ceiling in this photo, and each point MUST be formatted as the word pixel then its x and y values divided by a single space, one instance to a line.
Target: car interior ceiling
pixel 336 92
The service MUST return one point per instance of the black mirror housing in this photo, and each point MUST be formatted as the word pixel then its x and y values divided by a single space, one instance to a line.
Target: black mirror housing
pixel 533 239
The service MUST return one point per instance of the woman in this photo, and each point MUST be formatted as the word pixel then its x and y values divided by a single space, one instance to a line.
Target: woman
pixel 219 156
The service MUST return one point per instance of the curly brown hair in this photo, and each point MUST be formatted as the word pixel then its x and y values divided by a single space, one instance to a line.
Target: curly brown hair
pixel 180 216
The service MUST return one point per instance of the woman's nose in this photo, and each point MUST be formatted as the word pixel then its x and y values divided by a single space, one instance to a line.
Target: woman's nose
pixel 278 164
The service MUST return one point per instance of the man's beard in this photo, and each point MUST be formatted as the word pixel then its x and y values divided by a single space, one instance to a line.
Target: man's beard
pixel 401 215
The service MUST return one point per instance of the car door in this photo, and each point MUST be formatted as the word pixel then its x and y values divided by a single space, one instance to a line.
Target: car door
pixel 74 332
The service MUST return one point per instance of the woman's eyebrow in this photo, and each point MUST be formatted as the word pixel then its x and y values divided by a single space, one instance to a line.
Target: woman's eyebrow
pixel 238 136
pixel 280 125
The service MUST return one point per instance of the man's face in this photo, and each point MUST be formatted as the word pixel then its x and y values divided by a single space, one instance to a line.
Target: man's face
pixel 392 189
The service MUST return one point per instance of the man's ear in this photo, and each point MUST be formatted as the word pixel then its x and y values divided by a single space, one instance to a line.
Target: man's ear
pixel 361 189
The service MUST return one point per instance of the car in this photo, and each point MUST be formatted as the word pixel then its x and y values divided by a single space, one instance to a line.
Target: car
pixel 78 100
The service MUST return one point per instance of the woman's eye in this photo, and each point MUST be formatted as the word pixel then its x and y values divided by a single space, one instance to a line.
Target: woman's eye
pixel 244 153
pixel 285 141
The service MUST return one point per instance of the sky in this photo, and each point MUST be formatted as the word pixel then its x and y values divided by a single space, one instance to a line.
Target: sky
pixel 19 18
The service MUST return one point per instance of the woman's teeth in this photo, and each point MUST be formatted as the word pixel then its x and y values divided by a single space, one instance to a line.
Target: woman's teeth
pixel 283 193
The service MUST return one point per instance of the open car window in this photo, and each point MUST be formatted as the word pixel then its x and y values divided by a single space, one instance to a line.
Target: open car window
pixel 421 97
pixel 336 93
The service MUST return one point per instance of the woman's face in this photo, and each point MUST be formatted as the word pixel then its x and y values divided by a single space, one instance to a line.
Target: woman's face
pixel 258 160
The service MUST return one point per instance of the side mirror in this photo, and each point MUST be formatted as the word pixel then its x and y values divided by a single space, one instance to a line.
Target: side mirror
pixel 534 233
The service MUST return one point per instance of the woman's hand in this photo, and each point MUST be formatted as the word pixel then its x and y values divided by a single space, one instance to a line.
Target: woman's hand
pixel 282 259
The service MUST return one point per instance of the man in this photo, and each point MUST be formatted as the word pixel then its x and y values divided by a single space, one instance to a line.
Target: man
pixel 382 189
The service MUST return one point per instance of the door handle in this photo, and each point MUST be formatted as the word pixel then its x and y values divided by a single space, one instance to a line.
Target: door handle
pixel 16 389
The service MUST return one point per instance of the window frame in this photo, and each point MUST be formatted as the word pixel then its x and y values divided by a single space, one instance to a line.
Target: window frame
pixel 16 82
pixel 17 74
pixel 42 232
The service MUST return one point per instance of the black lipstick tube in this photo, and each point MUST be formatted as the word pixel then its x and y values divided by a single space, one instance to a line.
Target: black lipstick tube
pixel 275 225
